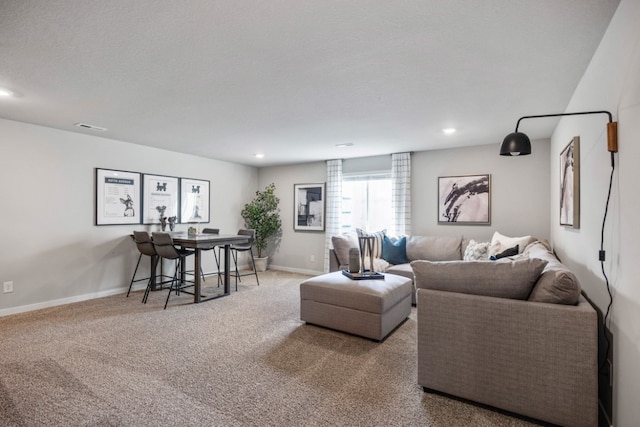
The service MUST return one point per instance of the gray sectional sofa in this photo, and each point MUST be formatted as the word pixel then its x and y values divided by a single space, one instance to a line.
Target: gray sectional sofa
pixel 515 334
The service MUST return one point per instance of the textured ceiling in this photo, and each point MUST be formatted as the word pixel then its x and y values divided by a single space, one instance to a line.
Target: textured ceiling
pixel 293 78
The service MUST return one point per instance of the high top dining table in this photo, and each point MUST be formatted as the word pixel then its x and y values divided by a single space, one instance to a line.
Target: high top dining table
pixel 207 241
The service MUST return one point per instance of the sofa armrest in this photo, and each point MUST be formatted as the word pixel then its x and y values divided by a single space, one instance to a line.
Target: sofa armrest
pixel 534 359
pixel 334 264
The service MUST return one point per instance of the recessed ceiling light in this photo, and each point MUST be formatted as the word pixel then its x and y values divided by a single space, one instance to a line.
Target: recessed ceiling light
pixel 5 93
pixel 346 144
pixel 449 131
pixel 259 156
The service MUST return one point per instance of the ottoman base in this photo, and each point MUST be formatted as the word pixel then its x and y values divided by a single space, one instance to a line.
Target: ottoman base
pixel 369 308
pixel 369 325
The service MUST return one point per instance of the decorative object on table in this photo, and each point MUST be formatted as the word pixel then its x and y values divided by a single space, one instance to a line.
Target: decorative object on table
pixel 354 260
pixel 163 223
pixel 366 244
pixel 194 200
pixel 464 200
pixel 309 207
pixel 262 214
pixel 160 198
pixel 172 222
pixel 117 197
pixel 570 184
pixel 193 230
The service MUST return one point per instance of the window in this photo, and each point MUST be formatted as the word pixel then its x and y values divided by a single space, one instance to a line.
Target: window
pixel 366 202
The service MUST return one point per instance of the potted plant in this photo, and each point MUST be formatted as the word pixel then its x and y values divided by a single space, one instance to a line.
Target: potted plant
pixel 263 215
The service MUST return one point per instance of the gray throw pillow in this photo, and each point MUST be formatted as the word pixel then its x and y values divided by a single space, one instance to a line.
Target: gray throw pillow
pixel 512 279
pixel 342 244
pixel 557 284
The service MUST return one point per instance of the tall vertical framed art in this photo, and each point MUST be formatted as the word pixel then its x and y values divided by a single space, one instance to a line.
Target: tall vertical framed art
pixel 308 200
pixel 161 198
pixel 570 184
pixel 117 197
pixel 194 200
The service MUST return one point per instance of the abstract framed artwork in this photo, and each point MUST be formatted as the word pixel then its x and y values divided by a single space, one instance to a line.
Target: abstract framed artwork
pixel 194 200
pixel 308 201
pixel 117 197
pixel 570 184
pixel 464 199
pixel 160 198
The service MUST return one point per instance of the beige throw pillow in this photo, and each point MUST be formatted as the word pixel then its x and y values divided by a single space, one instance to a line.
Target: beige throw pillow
pixel 342 244
pixel 513 279
pixel 499 243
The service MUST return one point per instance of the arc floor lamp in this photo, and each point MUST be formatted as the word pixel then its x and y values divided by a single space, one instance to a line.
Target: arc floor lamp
pixel 519 144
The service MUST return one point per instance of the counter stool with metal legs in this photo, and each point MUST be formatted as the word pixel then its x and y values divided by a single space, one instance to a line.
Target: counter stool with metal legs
pixel 215 255
pixel 165 248
pixel 145 247
pixel 244 247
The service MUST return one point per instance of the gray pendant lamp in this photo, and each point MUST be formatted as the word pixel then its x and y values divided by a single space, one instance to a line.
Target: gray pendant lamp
pixel 519 144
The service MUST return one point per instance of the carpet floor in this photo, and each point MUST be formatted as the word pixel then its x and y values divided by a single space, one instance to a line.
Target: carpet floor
pixel 242 360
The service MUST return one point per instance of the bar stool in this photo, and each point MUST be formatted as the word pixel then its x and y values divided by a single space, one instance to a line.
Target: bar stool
pixel 244 248
pixel 145 247
pixel 165 248
pixel 215 255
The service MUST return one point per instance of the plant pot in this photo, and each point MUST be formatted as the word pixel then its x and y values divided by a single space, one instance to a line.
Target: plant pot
pixel 261 263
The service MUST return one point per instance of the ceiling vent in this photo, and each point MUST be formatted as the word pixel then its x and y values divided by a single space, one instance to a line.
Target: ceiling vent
pixel 86 126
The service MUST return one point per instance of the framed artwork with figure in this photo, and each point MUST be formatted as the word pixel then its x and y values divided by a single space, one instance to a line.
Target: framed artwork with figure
pixel 194 200
pixel 117 197
pixel 160 198
pixel 464 199
pixel 570 184
pixel 309 206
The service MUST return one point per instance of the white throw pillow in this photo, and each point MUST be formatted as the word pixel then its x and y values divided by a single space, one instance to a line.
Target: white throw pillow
pixel 499 243
pixel 476 251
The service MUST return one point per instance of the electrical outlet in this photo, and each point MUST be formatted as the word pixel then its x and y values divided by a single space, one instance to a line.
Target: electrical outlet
pixel 312 258
pixel 7 287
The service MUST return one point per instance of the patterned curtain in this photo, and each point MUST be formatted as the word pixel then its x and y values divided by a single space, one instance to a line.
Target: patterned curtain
pixel 333 205
pixel 401 194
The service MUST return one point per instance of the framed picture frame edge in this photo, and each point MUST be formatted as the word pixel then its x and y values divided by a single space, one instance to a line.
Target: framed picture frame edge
pixel 146 198
pixel 574 145
pixel 186 204
pixel 476 188
pixel 309 215
pixel 118 183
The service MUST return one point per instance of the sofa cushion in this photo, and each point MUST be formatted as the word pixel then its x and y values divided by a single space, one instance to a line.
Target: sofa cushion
pixel 511 279
pixel 434 248
pixel 557 284
pixel 342 244
pixel 394 252
pixel 377 243
pixel 476 251
pixel 500 243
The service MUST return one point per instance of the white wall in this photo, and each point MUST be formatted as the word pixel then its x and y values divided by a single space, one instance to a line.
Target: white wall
pixel 519 185
pixel 51 249
pixel 612 83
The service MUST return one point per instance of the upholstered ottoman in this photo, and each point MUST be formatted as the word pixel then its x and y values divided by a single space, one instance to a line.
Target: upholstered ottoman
pixel 369 308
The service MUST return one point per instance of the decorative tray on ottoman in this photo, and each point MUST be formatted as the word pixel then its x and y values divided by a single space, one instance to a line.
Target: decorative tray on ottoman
pixel 367 275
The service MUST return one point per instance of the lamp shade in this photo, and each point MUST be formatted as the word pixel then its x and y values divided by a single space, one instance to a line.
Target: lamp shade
pixel 516 144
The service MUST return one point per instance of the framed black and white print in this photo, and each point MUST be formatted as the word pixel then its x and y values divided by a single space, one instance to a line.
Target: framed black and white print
pixel 117 197
pixel 309 207
pixel 194 200
pixel 160 198
pixel 570 184
pixel 464 200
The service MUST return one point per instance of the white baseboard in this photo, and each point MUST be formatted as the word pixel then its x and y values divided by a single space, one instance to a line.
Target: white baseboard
pixel 295 270
pixel 69 300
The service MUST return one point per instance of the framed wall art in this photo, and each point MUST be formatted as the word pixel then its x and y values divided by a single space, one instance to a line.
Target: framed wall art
pixel 160 198
pixel 309 206
pixel 194 200
pixel 464 199
pixel 570 184
pixel 117 197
